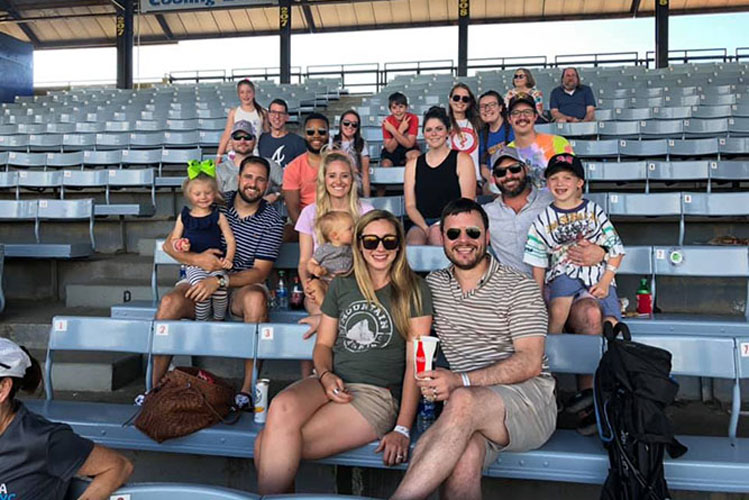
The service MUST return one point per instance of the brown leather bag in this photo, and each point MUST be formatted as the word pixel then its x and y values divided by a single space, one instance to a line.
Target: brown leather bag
pixel 183 403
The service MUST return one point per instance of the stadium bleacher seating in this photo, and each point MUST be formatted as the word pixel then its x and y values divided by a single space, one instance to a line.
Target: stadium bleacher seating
pixel 162 491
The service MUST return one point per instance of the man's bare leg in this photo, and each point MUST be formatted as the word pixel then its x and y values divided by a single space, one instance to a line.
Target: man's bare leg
pixel 173 306
pixel 249 302
pixel 585 319
pixel 469 411
pixel 465 481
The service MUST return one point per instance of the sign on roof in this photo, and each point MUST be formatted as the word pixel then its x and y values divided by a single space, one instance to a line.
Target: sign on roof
pixel 180 5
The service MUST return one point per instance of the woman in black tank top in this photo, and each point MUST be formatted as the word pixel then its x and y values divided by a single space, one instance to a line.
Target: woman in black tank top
pixel 435 178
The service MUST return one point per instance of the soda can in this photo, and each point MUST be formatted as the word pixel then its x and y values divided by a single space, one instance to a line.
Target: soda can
pixel 261 400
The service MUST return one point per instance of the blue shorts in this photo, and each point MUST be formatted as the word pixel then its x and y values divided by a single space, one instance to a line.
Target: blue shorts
pixel 564 286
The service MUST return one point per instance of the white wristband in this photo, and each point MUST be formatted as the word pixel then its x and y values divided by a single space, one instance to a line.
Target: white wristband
pixel 612 268
pixel 400 429
pixel 466 380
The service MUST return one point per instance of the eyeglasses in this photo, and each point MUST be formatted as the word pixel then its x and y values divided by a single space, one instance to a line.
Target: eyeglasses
pixel 320 131
pixel 454 233
pixel 519 75
pixel 489 106
pixel 500 172
pixel 371 242
pixel 242 137
pixel 347 123
pixel 523 112
pixel 465 98
pixel 277 113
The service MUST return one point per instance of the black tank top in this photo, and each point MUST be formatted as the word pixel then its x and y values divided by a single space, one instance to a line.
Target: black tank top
pixel 436 187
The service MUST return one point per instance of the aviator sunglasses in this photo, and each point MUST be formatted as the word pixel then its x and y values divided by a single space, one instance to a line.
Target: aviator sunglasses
pixel 371 242
pixel 457 98
pixel 502 171
pixel 454 233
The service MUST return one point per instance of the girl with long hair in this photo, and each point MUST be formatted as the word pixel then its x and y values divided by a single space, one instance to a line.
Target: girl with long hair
pixel 350 140
pixel 464 123
pixel 364 388
pixel 249 109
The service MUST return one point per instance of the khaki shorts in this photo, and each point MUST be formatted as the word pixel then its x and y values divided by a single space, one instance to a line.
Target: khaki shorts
pixel 530 415
pixel 376 404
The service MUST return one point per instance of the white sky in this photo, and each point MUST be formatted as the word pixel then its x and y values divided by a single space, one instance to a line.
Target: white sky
pixel 527 39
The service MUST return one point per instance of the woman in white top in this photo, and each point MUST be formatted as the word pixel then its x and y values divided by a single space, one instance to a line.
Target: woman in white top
pixel 349 139
pixel 464 123
pixel 249 110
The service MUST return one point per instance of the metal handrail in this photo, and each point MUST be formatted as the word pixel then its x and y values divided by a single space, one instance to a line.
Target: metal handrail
pixel 741 53
pixel 505 62
pixel 341 70
pixel 684 56
pixel 597 59
pixel 198 75
pixel 264 73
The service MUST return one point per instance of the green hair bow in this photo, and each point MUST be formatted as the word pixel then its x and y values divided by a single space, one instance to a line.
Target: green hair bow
pixel 195 168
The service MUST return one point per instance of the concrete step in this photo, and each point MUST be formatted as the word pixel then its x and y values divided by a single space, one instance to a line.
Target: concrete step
pixel 107 266
pixel 106 293
pixel 93 371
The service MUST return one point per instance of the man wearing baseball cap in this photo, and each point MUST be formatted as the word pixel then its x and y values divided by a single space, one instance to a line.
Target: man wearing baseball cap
pixel 568 220
pixel 38 458
pixel 243 140
pixel 536 149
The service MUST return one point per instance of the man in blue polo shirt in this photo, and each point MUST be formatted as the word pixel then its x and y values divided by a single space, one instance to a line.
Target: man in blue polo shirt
pixel 572 101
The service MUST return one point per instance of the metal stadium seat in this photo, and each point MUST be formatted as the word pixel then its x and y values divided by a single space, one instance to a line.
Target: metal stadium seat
pixel 620 129
pixel 62 160
pixel 31 128
pixel 181 139
pixel 712 111
pixel 672 171
pixel 629 114
pixel 26 160
pixel 595 149
pixel 210 138
pixel 146 140
pixel 109 158
pixel 643 149
pixel 628 171
pixel 90 127
pixel 693 147
pixel 150 125
pixel 738 126
pixel 60 128
pixel 78 142
pixel 178 158
pixel 141 157
pixel 45 142
pixel 211 123
pixel 39 180
pixel 119 140
pixel 733 146
pixel 119 126
pixel 79 179
pixel 697 127
pixel 672 113
pixel 14 142
pixel 129 178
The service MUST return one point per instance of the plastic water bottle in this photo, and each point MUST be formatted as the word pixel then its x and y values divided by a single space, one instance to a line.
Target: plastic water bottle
pixel 282 293
pixel 427 414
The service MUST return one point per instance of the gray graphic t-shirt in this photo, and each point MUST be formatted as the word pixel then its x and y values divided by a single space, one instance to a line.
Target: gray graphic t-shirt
pixel 369 348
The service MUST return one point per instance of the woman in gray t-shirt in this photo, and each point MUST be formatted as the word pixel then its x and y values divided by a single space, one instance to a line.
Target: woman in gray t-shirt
pixel 364 388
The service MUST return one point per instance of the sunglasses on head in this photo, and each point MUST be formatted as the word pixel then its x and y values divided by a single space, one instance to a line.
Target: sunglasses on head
pixel 513 169
pixel 319 131
pixel 454 233
pixel 242 137
pixel 347 123
pixel 465 98
pixel 371 242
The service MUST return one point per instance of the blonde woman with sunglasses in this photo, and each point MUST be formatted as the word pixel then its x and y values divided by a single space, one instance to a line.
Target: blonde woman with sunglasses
pixel 364 388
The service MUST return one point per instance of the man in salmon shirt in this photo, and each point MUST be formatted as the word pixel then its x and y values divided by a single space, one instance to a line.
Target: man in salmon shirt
pixel 300 176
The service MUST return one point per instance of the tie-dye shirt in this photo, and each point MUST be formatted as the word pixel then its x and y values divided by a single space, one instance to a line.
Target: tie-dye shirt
pixel 537 155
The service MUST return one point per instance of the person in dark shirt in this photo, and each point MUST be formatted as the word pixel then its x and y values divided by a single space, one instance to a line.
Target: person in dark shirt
pixel 572 101
pixel 38 458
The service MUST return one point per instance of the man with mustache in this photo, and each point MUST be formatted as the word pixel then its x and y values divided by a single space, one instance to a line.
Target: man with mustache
pixel 258 230
pixel 535 149
pixel 492 322
pixel 510 216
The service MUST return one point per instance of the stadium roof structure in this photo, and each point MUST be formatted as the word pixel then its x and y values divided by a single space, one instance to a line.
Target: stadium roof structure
pixel 50 24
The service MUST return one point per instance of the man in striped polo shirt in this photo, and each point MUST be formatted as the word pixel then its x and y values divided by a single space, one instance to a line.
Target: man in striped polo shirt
pixel 258 230
pixel 492 323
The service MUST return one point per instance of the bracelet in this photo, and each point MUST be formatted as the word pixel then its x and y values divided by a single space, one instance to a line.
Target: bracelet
pixel 466 380
pixel 612 268
pixel 319 377
pixel 400 429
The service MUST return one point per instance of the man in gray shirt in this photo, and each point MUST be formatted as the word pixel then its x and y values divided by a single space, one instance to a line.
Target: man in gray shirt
pixel 242 144
pixel 510 216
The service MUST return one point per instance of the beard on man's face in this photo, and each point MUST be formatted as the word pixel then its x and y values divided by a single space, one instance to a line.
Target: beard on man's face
pixel 511 193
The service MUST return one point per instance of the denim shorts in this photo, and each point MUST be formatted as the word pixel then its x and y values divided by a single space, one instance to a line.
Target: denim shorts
pixel 564 286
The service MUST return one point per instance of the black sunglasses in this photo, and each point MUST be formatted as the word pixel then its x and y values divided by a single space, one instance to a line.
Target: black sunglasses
pixel 519 75
pixel 502 171
pixel 243 137
pixel 465 98
pixel 371 242
pixel 319 131
pixel 347 123
pixel 454 233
